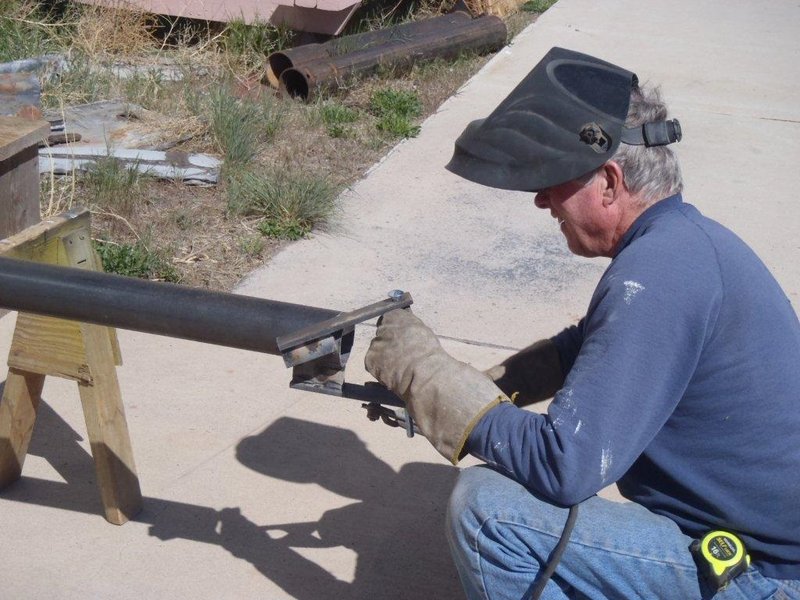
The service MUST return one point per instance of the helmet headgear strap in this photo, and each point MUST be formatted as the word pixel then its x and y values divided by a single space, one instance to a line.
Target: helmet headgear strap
pixel 659 133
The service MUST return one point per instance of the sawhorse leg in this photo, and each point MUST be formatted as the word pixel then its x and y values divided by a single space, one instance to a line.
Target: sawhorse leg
pixel 18 409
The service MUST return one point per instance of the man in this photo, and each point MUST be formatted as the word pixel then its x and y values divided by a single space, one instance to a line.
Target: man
pixel 681 384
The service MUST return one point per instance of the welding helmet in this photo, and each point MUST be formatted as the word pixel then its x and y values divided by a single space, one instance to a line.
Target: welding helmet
pixel 564 120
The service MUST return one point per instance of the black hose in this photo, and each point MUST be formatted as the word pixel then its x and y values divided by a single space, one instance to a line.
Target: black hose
pixel 555 557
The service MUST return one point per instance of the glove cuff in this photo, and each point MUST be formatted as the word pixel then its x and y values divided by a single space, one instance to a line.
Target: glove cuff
pixel 460 448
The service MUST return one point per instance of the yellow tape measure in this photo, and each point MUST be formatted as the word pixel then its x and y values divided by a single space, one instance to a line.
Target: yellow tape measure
pixel 721 556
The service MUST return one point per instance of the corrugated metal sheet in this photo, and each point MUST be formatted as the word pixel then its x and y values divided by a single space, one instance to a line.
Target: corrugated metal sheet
pixel 318 16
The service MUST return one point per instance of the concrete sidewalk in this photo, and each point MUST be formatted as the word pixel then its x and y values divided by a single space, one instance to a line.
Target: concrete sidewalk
pixel 253 490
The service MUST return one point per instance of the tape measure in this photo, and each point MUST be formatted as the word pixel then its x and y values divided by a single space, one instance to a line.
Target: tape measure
pixel 720 556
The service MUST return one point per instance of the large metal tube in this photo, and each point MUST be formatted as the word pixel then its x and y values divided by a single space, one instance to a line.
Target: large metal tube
pixel 152 307
pixel 484 34
pixel 278 62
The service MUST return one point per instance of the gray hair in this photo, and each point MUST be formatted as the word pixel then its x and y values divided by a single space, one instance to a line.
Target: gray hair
pixel 651 173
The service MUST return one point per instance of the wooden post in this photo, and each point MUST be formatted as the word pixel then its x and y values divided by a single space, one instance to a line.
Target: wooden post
pixel 19 172
pixel 85 353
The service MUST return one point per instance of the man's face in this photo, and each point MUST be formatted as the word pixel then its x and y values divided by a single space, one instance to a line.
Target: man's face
pixel 588 221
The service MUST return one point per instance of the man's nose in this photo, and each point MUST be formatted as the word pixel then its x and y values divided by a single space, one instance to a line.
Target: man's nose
pixel 541 200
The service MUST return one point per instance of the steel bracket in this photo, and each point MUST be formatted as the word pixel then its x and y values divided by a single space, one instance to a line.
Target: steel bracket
pixel 318 353
pixel 318 356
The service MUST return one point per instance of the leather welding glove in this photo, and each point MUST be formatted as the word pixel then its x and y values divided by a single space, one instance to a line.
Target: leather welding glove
pixel 445 397
pixel 530 375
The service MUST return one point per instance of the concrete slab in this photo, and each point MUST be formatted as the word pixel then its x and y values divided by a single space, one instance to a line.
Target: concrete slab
pixel 255 490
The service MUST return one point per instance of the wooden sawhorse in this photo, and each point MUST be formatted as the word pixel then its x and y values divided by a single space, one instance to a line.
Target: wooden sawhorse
pixel 85 353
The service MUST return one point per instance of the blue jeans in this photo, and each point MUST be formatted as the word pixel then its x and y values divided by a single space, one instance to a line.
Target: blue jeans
pixel 501 535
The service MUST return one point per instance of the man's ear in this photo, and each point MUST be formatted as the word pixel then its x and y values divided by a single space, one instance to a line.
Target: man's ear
pixel 613 182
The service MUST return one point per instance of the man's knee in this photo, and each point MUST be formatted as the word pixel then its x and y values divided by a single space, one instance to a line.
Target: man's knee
pixel 464 500
pixel 486 502
pixel 477 496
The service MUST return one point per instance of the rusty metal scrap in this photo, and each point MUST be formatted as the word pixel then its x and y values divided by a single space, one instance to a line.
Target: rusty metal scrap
pixel 278 62
pixel 196 169
pixel 56 62
pixel 19 92
pixel 484 34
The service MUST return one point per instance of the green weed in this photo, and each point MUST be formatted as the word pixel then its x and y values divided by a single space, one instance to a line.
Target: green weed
pixel 395 111
pixel 252 245
pixel 537 6
pixel 336 118
pixel 135 260
pixel 252 43
pixel 283 228
pixel 289 204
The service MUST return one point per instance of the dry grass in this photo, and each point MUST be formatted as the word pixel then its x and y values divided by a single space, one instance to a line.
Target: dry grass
pixel 117 29
pixel 202 232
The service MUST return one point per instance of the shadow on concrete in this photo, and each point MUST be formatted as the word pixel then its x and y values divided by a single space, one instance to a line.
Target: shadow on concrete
pixel 395 526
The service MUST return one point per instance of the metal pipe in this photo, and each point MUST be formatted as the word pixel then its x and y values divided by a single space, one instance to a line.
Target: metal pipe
pixel 484 34
pixel 152 307
pixel 278 62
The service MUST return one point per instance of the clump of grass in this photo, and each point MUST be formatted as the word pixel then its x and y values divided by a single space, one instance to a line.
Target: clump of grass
pixel 23 31
pixel 336 118
pixel 233 127
pixel 288 204
pixel 101 31
pixel 144 88
pixel 135 260
pixel 82 81
pixel 56 194
pixel 239 125
pixel 396 110
pixel 252 245
pixel 252 43
pixel 111 183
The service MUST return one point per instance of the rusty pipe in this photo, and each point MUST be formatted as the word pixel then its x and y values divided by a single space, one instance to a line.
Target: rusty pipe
pixel 278 62
pixel 484 34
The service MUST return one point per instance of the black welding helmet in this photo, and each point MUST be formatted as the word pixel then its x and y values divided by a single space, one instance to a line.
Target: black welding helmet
pixel 565 119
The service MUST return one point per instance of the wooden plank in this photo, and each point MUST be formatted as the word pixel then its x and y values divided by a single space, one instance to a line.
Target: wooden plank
pixel 16 134
pixel 49 346
pixel 18 408
pixel 108 430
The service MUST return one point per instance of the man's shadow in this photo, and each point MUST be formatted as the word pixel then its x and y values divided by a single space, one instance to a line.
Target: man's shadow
pixel 395 524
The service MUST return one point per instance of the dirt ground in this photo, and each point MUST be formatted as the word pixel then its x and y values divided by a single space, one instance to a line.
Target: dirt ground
pixel 192 229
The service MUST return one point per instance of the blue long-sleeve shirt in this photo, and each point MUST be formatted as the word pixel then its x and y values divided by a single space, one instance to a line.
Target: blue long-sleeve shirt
pixel 682 385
